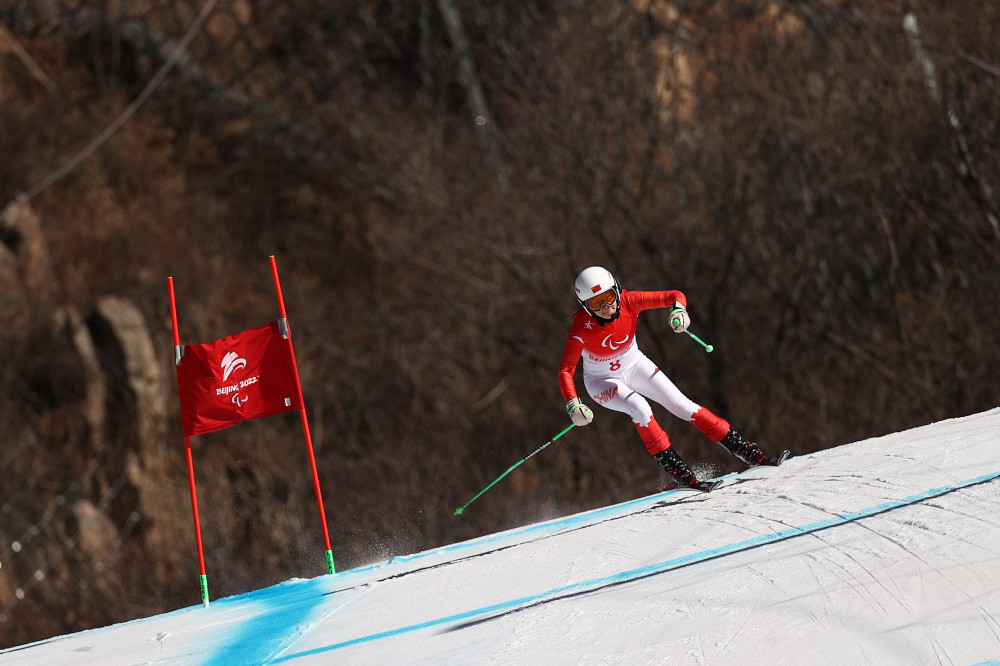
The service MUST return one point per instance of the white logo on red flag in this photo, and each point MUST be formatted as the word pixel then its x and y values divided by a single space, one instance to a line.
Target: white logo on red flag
pixel 231 362
pixel 244 376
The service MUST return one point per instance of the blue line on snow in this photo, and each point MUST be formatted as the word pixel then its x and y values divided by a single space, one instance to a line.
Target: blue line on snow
pixel 282 611
pixel 273 627
pixel 661 567
pixel 548 527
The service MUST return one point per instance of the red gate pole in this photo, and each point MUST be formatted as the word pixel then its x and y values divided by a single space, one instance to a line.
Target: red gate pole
pixel 286 331
pixel 203 578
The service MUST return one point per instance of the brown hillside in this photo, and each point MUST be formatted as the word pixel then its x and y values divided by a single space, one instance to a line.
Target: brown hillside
pixel 821 179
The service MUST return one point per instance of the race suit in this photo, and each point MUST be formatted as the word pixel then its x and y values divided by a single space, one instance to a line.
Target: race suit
pixel 617 375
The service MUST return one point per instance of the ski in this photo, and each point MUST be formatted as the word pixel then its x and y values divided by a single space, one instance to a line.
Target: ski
pixel 702 486
pixel 770 461
pixel 709 486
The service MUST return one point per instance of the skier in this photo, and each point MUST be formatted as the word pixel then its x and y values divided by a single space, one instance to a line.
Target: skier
pixel 617 374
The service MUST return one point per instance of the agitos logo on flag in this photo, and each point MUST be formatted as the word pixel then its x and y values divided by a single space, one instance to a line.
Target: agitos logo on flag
pixel 244 376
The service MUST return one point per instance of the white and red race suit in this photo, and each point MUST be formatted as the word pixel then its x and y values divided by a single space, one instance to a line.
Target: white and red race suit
pixel 617 375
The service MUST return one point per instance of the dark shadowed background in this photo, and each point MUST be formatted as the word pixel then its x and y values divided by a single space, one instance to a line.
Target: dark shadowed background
pixel 821 179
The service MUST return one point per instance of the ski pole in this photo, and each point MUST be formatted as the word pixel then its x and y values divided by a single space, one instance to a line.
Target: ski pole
pixel 709 348
pixel 676 322
pixel 460 509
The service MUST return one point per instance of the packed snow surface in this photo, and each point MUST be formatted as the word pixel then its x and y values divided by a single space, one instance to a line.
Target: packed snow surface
pixel 885 551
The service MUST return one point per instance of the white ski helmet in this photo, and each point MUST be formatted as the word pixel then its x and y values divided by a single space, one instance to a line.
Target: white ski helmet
pixel 593 281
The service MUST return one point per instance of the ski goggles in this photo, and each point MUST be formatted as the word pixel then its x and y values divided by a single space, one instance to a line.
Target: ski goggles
pixel 608 297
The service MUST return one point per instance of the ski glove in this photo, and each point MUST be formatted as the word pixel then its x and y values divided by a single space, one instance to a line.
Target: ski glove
pixel 679 319
pixel 579 412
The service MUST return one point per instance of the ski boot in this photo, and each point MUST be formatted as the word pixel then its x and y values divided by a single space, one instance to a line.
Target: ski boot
pixel 683 476
pixel 748 452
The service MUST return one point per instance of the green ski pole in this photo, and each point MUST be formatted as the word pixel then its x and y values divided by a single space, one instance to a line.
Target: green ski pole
pixel 709 348
pixel 676 321
pixel 460 509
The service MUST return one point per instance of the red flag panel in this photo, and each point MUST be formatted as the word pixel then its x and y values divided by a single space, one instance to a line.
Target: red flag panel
pixel 244 376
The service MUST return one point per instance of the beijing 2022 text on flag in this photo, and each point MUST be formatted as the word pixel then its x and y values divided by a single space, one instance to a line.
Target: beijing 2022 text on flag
pixel 244 376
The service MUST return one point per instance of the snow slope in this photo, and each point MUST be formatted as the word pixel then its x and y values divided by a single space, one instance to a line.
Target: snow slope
pixel 885 551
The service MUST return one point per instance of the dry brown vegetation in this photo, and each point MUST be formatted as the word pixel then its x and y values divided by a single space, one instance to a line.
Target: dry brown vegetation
pixel 821 182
